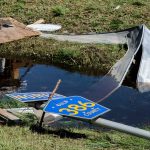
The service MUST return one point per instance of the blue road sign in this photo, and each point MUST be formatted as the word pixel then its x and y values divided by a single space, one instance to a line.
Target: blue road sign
pixel 76 107
pixel 33 96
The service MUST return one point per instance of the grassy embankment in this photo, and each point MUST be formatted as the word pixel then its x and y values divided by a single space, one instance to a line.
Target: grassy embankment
pixel 67 136
pixel 64 138
pixel 21 138
pixel 78 17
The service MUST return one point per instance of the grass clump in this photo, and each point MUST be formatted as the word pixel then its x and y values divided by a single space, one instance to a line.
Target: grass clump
pixel 138 3
pixel 116 23
pixel 8 103
pixel 59 10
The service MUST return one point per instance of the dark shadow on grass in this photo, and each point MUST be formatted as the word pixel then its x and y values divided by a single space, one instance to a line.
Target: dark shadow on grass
pixel 62 133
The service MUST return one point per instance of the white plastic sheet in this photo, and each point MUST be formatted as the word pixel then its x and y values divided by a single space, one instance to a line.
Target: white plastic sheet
pixel 44 27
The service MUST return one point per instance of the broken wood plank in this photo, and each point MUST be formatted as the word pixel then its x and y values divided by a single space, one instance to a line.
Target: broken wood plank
pixel 11 30
pixel 22 110
pixel 8 116
pixel 39 21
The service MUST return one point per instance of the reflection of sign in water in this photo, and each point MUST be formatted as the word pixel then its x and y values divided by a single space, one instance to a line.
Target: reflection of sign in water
pixel 33 96
pixel 76 106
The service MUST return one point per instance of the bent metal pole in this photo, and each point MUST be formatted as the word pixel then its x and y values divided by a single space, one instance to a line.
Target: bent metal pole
pixel 119 127
pixel 123 128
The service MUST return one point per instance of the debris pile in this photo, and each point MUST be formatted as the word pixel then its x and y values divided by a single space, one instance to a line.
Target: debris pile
pixel 11 30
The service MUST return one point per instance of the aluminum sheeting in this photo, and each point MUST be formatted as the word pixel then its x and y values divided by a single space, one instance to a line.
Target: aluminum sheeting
pixel 136 38
pixel 143 78
pixel 114 78
pixel 115 38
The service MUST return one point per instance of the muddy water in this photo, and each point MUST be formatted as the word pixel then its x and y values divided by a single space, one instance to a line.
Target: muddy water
pixel 127 104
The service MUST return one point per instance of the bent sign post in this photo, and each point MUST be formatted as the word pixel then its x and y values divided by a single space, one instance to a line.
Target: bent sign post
pixel 81 109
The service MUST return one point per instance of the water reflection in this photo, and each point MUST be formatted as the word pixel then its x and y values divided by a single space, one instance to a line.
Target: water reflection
pixel 10 79
pixel 127 104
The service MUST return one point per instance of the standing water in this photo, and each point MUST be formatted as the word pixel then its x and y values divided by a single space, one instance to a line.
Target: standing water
pixel 127 104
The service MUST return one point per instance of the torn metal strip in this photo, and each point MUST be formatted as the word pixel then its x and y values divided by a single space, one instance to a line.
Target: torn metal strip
pixel 133 37
pixel 97 38
pixel 105 38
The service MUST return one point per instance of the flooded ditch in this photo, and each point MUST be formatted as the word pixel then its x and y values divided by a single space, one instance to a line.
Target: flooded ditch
pixel 127 104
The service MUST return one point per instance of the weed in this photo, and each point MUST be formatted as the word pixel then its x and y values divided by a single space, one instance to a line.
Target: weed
pixel 18 7
pixel 59 10
pixel 3 2
pixel 115 24
pixel 138 3
pixel 8 103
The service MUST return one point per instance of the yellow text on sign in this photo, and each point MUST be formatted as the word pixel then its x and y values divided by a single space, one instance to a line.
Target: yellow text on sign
pixel 74 109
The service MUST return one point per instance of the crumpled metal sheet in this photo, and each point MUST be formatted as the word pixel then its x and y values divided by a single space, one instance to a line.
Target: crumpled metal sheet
pixel 143 78
pixel 136 38
pixel 114 78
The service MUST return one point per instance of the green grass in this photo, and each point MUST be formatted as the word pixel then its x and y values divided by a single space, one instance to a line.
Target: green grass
pixel 73 139
pixel 80 16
